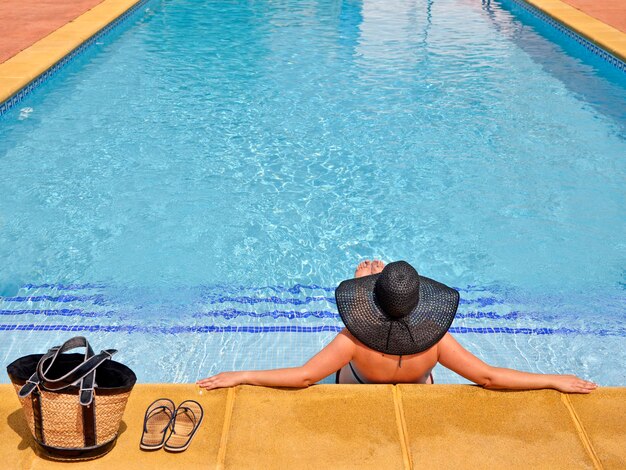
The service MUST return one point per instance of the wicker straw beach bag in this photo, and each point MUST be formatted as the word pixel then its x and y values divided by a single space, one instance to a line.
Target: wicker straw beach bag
pixel 73 402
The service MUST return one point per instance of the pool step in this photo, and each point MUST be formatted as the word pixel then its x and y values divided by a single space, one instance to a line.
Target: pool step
pixel 216 309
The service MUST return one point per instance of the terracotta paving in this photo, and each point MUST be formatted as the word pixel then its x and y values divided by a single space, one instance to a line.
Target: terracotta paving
pixel 611 12
pixel 24 22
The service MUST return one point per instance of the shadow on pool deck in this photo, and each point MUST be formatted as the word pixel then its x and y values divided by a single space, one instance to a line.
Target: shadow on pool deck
pixel 361 426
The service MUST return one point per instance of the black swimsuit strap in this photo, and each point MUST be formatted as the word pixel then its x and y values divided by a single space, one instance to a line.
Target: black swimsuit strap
pixel 356 376
pixel 432 379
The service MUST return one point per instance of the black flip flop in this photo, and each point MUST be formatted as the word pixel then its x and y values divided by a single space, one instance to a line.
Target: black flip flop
pixel 186 421
pixel 157 421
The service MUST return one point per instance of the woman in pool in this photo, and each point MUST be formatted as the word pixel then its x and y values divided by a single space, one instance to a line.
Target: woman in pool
pixel 396 332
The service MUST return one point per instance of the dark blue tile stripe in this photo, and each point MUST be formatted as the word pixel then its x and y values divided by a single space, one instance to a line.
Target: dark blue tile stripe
pixel 174 329
pixel 296 289
pixel 481 301
pixel 99 299
pixel 217 299
pixel 64 312
pixel 619 332
pixel 231 313
pixel 506 316
pixel 96 299
pixel 64 286
pixel 538 331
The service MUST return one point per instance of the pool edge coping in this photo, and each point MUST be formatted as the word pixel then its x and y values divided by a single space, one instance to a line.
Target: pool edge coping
pixel 599 33
pixel 27 66
pixel 230 407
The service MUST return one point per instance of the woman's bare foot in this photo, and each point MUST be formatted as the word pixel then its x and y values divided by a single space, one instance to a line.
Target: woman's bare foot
pixel 377 266
pixel 363 269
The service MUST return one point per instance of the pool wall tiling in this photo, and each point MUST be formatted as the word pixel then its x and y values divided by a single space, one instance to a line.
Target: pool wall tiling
pixel 30 68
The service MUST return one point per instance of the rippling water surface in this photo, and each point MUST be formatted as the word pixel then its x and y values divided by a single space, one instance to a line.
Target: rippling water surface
pixel 208 146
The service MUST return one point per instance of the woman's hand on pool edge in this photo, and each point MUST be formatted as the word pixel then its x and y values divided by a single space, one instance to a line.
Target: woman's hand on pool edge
pixel 572 384
pixel 330 359
pixel 222 380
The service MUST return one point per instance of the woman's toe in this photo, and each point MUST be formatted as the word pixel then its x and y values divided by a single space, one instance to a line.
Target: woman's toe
pixel 363 269
pixel 377 266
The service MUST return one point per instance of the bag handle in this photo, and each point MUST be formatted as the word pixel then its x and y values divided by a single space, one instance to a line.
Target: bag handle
pixel 84 372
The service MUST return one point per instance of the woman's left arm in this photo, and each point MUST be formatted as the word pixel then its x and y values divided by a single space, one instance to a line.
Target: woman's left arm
pixel 458 359
pixel 330 359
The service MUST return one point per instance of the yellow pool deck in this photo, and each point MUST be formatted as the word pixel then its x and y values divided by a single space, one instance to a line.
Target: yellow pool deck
pixel 360 427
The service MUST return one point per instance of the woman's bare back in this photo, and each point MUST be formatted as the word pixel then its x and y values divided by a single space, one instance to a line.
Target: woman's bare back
pixel 375 367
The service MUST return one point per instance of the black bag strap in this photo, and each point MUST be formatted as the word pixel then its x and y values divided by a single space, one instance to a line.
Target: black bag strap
pixel 84 372
pixel 75 342
pixel 33 382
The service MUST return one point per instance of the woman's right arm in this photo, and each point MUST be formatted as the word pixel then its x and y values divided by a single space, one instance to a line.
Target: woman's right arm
pixel 330 359
pixel 458 359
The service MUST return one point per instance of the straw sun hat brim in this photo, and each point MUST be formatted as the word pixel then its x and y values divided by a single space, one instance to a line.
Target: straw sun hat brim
pixel 427 323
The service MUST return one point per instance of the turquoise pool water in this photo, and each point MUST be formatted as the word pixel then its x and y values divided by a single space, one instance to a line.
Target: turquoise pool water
pixel 192 188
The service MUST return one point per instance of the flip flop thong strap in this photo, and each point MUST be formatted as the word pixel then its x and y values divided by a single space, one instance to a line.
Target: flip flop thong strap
pixel 186 410
pixel 155 411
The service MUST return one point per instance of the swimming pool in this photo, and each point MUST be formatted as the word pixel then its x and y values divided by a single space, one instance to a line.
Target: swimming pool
pixel 191 189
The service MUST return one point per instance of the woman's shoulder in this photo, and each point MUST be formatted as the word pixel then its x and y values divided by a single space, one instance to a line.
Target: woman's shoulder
pixel 345 333
pixel 344 340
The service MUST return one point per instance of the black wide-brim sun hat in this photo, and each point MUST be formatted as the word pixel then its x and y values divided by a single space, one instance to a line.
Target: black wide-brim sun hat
pixel 397 311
